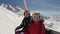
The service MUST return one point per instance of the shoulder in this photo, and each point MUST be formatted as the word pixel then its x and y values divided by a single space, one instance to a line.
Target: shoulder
pixel 41 20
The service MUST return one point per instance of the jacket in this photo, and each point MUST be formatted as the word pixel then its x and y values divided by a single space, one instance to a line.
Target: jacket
pixel 37 28
pixel 25 24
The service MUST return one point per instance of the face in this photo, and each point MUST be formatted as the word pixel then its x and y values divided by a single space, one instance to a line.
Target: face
pixel 36 18
pixel 26 14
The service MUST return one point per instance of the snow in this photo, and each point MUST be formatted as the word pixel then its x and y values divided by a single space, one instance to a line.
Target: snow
pixel 11 7
pixel 8 21
pixel 53 23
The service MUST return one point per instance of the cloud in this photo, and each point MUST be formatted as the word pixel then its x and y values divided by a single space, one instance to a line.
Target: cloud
pixel 47 13
pixel 44 3
pixel 48 8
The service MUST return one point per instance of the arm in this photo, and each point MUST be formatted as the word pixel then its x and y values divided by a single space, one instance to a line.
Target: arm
pixel 20 26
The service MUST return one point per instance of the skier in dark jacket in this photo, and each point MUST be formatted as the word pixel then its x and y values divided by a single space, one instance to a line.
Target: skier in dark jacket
pixel 25 23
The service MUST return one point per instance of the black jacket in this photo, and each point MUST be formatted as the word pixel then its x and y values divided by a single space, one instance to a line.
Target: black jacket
pixel 25 24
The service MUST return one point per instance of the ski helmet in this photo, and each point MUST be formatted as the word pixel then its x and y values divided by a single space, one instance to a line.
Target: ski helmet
pixel 26 11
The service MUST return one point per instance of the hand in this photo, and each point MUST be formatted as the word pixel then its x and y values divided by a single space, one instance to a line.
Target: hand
pixel 16 30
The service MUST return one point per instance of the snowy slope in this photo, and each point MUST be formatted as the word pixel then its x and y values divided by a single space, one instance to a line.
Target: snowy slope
pixel 8 21
pixel 53 23
pixel 14 8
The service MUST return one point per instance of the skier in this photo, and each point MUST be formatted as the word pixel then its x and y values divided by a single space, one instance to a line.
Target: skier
pixel 37 27
pixel 25 23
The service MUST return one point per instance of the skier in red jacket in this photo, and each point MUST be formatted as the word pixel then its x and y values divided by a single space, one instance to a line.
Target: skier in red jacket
pixel 37 27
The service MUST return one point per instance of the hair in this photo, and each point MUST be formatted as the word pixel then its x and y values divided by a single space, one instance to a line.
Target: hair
pixel 36 14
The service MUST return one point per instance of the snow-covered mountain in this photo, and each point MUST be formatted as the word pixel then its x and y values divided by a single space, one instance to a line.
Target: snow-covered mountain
pixel 9 19
pixel 55 18
pixel 14 8
pixel 53 23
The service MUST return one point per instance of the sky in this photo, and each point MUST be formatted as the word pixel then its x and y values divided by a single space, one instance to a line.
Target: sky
pixel 45 7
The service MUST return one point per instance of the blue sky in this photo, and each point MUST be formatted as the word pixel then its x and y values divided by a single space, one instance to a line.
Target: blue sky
pixel 46 7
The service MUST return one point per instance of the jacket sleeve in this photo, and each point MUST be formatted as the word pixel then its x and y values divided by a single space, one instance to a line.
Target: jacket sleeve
pixel 43 29
pixel 42 21
pixel 20 26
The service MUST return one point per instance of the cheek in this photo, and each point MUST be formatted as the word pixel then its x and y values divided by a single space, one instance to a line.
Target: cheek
pixel 36 19
pixel 26 15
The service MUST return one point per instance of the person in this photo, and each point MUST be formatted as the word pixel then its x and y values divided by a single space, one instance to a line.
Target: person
pixel 37 27
pixel 25 23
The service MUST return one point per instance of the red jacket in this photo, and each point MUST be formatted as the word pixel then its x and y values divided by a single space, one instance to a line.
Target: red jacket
pixel 37 28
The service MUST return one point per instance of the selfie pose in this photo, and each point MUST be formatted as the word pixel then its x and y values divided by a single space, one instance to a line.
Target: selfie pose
pixel 37 27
